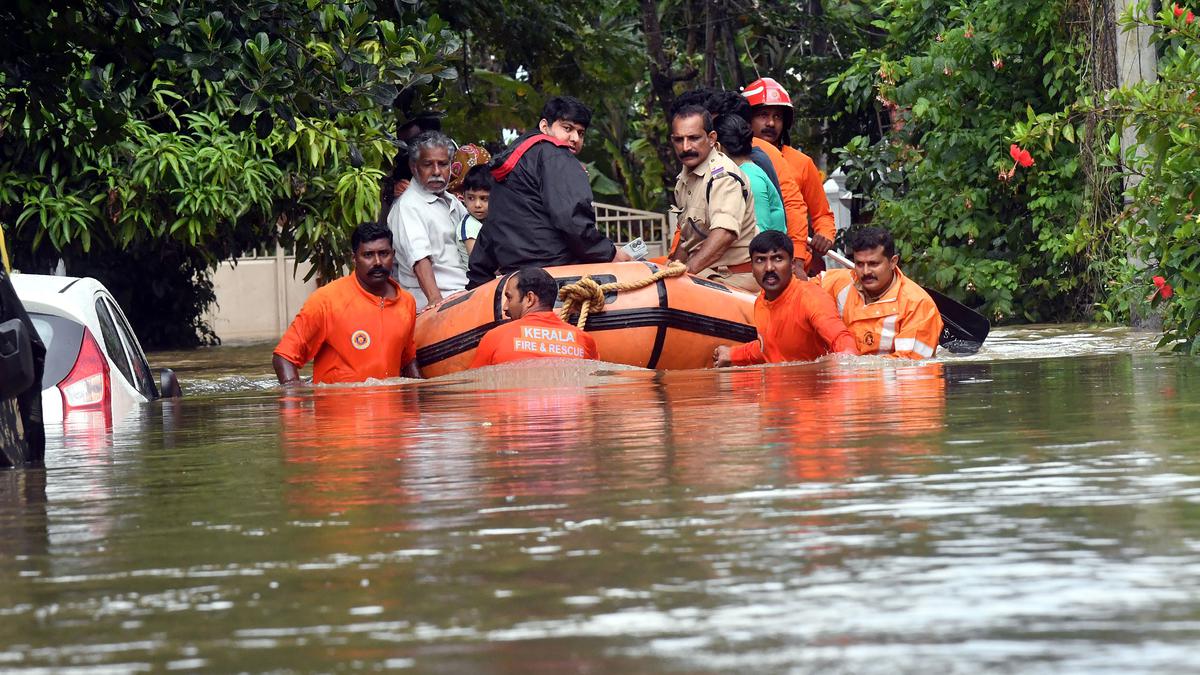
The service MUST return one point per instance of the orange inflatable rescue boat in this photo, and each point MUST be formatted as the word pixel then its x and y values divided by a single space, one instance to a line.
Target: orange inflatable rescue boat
pixel 671 323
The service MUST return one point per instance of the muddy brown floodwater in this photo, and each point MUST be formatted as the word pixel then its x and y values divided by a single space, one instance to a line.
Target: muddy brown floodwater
pixel 1034 508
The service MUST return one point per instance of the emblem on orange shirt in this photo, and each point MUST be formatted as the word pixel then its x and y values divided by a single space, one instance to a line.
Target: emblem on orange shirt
pixel 360 339
pixel 869 338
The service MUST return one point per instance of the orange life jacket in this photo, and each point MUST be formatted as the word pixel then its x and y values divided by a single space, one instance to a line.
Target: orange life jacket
pixel 903 323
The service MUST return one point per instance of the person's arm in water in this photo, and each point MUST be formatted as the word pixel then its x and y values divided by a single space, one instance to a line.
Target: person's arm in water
pixel 301 340
pixel 823 317
pixel 423 270
pixel 409 359
pixel 285 370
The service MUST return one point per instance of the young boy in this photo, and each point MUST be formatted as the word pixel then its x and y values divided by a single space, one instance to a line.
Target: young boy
pixel 477 187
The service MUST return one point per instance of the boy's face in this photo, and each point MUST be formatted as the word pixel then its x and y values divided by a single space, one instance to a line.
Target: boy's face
pixel 566 131
pixel 477 203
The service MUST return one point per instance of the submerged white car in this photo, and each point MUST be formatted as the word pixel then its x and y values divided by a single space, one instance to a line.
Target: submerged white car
pixel 96 371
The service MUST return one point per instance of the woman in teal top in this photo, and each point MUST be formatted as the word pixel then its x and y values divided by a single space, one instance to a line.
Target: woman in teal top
pixel 734 139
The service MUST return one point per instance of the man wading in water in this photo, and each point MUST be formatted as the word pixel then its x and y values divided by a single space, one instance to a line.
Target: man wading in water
pixel 535 330
pixel 796 320
pixel 357 327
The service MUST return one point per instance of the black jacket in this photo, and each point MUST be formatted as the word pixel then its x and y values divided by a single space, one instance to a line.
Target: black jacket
pixel 539 215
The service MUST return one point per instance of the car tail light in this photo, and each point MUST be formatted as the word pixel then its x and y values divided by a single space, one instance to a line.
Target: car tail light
pixel 87 386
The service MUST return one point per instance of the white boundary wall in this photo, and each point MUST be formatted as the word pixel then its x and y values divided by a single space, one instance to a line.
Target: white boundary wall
pixel 257 297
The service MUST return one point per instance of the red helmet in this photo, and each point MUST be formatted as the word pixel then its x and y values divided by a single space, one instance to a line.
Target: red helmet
pixel 766 91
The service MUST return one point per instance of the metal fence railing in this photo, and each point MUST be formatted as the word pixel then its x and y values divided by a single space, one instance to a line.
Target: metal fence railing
pixel 623 224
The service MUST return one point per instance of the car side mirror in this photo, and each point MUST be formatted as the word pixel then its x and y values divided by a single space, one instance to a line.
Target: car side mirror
pixel 168 384
pixel 16 358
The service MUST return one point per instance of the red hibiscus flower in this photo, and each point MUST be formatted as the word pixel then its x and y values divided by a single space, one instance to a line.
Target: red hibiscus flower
pixel 1164 289
pixel 1020 156
pixel 1178 11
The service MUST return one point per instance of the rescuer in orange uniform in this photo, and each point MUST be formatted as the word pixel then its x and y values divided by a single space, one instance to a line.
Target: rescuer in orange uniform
pixel 771 122
pixel 888 313
pixel 535 330
pixel 356 327
pixel 796 320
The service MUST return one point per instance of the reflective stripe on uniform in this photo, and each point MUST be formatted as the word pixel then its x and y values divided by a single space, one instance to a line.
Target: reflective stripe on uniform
pixel 887 334
pixel 914 345
pixel 841 301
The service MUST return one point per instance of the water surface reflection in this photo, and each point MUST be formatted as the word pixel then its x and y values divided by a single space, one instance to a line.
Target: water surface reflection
pixel 1031 514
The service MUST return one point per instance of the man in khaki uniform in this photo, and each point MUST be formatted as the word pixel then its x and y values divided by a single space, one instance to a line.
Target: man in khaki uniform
pixel 714 206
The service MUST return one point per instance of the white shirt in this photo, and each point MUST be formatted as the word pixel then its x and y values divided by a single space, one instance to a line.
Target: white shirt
pixel 425 226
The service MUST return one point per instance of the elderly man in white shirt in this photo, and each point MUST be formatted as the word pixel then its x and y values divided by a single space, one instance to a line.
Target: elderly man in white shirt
pixel 424 221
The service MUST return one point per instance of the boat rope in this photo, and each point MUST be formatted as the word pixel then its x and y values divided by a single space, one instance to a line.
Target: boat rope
pixel 587 297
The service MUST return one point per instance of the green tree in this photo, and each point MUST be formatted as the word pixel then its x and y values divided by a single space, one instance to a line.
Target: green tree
pixel 1159 227
pixel 953 80
pixel 180 135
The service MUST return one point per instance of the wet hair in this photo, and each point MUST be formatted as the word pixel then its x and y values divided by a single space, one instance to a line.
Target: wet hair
pixel 369 232
pixel 479 177
pixel 567 109
pixel 691 110
pixel 428 139
pixel 868 238
pixel 771 240
pixel 539 282
pixel 734 135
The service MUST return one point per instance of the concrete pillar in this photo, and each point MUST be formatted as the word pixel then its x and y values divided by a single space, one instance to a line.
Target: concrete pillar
pixel 839 199
pixel 1137 62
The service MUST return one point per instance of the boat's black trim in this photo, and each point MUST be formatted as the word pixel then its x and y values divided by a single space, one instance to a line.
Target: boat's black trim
pixel 450 303
pixel 498 300
pixel 661 336
pixel 709 284
pixel 440 351
pixel 660 317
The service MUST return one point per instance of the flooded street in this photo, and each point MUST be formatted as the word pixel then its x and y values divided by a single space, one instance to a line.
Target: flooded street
pixel 1032 508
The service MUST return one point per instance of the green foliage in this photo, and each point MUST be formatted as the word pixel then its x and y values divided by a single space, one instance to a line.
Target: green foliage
pixel 200 132
pixel 955 79
pixel 1151 134
pixel 1163 220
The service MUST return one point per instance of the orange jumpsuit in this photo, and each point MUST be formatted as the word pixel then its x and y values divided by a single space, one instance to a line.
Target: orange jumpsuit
pixel 535 335
pixel 903 323
pixel 801 324
pixel 813 188
pixel 794 205
pixel 350 334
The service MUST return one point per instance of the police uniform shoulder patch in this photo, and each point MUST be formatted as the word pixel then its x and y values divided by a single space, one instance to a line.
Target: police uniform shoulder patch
pixel 717 171
pixel 361 339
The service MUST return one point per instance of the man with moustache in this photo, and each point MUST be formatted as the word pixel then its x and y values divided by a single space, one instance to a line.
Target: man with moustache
pixel 796 320
pixel 714 205
pixel 888 313
pixel 540 209
pixel 357 327
pixel 425 222
pixel 535 331
pixel 771 123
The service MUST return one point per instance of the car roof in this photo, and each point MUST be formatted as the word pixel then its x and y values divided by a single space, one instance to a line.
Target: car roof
pixel 66 296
